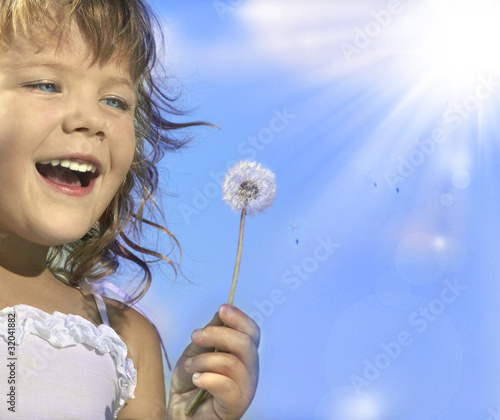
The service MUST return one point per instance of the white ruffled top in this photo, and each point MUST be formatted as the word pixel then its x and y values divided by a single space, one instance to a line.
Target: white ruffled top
pixel 62 367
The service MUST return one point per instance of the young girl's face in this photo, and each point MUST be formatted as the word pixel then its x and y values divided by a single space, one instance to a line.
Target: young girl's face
pixel 56 107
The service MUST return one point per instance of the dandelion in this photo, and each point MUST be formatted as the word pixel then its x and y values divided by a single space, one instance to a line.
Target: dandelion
pixel 249 186
pixel 251 189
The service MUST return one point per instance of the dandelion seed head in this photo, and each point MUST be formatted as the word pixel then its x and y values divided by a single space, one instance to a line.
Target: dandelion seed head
pixel 248 185
pixel 248 191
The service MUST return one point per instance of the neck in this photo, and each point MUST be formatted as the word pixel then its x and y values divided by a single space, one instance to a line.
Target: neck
pixel 21 258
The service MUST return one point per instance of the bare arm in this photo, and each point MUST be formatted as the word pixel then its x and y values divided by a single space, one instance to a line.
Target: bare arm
pixel 144 349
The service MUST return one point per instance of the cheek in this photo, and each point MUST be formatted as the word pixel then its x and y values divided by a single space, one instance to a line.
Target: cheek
pixel 16 151
pixel 23 129
pixel 122 155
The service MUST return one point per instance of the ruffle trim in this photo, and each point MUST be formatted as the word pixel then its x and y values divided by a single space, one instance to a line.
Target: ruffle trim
pixel 63 330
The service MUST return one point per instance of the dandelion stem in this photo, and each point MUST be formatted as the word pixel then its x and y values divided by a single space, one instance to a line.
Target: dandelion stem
pixel 238 257
pixel 196 402
pixel 201 393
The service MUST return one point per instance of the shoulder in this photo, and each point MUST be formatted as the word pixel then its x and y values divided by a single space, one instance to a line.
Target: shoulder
pixel 143 347
pixel 135 329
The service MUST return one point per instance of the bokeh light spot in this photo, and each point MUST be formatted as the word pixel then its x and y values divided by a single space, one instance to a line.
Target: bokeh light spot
pixel 447 200
pixel 461 179
pixel 419 258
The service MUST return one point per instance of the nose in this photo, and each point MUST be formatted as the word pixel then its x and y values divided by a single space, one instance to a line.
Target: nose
pixel 84 115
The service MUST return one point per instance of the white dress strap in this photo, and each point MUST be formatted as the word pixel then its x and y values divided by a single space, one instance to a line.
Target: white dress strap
pixel 102 309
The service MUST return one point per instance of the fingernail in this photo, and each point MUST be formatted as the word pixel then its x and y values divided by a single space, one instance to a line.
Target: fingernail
pixel 188 363
pixel 227 309
pixel 196 334
pixel 196 377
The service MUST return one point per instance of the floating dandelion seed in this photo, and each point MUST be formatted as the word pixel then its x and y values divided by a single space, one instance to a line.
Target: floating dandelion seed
pixel 294 226
pixel 248 188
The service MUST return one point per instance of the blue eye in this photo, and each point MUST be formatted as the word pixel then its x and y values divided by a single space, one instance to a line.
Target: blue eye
pixel 45 87
pixel 117 103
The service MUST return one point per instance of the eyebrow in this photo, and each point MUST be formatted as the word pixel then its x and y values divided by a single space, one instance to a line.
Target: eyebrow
pixel 113 80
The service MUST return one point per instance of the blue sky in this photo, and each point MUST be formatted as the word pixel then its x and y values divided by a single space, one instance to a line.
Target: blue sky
pixel 374 275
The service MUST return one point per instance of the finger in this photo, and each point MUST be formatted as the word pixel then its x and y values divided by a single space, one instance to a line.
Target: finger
pixel 224 364
pixel 197 348
pixel 228 340
pixel 228 398
pixel 238 320
pixel 181 379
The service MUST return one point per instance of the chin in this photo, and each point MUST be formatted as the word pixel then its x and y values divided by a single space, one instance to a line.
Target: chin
pixel 56 236
pixel 57 241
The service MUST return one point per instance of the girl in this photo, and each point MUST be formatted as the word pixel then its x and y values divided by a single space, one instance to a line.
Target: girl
pixel 81 128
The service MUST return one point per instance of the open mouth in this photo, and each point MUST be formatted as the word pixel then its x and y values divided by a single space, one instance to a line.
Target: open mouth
pixel 67 173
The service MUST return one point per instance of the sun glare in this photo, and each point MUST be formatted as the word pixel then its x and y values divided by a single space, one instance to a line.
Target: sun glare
pixel 464 39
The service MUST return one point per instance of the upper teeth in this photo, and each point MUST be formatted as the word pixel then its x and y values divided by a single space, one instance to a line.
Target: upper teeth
pixel 74 166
